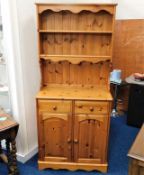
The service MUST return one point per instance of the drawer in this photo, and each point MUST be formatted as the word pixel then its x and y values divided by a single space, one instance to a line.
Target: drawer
pixel 89 107
pixel 54 106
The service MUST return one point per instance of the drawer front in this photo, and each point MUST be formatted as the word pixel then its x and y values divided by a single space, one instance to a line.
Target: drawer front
pixel 88 107
pixel 54 106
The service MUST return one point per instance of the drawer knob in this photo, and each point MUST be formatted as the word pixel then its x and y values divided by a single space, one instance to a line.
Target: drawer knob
pixel 101 108
pixel 54 108
pixel 91 109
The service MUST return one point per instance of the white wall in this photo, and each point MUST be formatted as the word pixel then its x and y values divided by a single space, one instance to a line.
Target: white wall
pixel 23 62
pixel 30 67
pixel 130 9
pixel 21 53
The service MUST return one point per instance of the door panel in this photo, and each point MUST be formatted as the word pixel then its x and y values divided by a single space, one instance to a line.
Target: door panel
pixel 90 138
pixel 57 136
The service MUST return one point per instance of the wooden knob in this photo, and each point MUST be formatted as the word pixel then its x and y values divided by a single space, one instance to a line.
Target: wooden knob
pixel 100 109
pixel 55 108
pixel 91 109
pixel 80 106
pixel 75 140
pixel 68 140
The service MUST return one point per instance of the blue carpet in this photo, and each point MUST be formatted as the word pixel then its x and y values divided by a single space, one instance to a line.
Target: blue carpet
pixel 121 138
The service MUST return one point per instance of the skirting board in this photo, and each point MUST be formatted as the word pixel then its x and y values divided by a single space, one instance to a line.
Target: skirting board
pixel 24 158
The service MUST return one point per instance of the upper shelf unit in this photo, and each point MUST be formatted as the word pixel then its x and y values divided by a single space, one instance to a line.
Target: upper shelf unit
pixel 85 21
pixel 70 32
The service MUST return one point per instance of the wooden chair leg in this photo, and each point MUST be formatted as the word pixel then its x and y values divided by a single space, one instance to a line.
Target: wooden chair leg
pixel 3 157
pixel 14 160
pixel 8 149
pixel 0 148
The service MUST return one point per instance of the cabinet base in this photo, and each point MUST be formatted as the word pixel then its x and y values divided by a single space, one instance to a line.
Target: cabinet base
pixel 72 166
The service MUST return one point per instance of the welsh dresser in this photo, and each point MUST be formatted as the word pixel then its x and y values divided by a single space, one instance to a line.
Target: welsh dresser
pixel 74 102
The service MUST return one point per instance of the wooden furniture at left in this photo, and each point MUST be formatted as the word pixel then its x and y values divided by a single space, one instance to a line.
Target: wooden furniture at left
pixel 136 154
pixel 8 132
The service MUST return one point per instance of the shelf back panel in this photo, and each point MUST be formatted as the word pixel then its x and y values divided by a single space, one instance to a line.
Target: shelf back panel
pixel 75 44
pixel 85 20
pixel 85 74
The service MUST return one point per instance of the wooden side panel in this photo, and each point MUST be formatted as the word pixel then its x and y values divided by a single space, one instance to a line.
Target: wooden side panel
pixel 128 52
pixel 90 137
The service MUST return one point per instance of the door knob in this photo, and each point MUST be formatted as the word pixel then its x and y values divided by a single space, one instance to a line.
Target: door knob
pixel 75 140
pixel 68 140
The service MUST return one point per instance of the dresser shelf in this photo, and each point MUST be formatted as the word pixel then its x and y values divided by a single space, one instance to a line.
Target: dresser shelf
pixel 75 59
pixel 75 31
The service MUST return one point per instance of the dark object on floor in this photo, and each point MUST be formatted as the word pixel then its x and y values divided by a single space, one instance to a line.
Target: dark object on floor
pixel 135 116
pixel 117 87
pixel 8 132
pixel 136 154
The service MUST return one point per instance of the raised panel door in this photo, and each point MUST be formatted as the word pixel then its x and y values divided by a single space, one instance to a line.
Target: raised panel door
pixel 90 138
pixel 56 136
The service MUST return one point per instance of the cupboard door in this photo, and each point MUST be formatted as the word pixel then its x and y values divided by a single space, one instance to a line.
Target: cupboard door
pixel 90 138
pixel 56 136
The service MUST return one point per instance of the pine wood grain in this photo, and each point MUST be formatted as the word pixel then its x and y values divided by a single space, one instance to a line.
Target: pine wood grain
pixel 74 92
